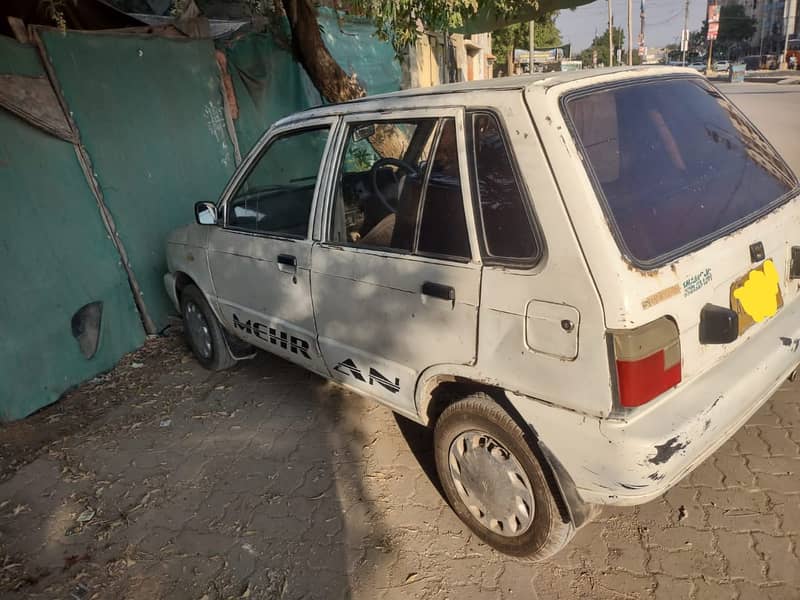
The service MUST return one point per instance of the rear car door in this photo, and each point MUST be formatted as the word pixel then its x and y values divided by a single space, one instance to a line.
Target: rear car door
pixel 260 257
pixel 396 280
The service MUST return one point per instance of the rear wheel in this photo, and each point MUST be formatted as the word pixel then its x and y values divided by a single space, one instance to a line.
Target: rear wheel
pixel 494 481
pixel 203 331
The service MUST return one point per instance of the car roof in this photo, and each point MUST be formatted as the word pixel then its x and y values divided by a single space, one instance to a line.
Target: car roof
pixel 516 82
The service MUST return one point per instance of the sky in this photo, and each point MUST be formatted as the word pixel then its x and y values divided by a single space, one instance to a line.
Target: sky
pixel 663 21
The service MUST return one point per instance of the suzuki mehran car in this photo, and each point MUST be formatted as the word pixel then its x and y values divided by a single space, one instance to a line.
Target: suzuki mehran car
pixel 583 282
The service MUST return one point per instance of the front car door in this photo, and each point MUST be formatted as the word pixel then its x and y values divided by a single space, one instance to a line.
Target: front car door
pixel 260 257
pixel 396 278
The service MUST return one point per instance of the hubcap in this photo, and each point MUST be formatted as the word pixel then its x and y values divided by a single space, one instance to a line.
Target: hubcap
pixel 492 483
pixel 197 326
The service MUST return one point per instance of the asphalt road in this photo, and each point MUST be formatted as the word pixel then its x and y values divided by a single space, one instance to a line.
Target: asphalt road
pixel 775 109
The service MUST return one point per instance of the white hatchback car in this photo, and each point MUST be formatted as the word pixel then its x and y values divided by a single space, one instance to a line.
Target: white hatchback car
pixel 583 282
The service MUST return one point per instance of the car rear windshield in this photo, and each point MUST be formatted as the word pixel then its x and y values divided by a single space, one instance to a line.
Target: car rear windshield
pixel 677 164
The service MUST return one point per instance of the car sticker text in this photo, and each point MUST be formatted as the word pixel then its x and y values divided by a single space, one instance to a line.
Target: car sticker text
pixel 274 336
pixel 696 282
pixel 348 367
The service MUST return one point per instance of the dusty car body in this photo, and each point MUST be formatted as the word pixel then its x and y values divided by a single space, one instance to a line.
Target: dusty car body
pixel 582 291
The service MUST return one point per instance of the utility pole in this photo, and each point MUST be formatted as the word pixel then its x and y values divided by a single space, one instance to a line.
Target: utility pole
pixel 630 34
pixel 641 28
pixel 611 36
pixel 790 11
pixel 685 33
pixel 531 44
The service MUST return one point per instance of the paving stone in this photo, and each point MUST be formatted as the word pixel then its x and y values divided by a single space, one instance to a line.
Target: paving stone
pixel 751 591
pixel 742 519
pixel 706 475
pixel 749 440
pixel 785 482
pixel 740 553
pixel 734 471
pixel 685 508
pixel 704 589
pixel 778 441
pixel 787 508
pixel 782 563
pixel 624 585
pixel 672 589
pixel 686 563
pixel 684 538
pixel 776 465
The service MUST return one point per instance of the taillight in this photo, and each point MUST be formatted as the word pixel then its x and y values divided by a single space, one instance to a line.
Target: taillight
pixel 648 361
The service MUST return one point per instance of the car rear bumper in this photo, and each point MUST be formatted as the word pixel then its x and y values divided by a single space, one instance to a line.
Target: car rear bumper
pixel 635 460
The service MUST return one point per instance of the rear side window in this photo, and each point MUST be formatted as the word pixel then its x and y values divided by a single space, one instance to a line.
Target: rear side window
pixel 677 164
pixel 399 189
pixel 443 228
pixel 505 222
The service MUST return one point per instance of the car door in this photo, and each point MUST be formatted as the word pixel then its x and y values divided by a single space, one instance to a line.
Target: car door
pixel 260 256
pixel 395 278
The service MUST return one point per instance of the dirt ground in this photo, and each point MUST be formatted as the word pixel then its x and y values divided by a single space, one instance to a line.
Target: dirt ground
pixel 162 480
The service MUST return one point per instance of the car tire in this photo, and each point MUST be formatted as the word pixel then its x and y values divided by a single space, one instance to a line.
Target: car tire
pixel 490 474
pixel 204 333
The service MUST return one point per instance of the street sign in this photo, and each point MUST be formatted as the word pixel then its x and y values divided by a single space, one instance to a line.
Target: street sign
pixel 684 40
pixel 713 21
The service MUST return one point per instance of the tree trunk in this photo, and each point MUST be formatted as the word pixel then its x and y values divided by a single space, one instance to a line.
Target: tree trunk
pixel 327 76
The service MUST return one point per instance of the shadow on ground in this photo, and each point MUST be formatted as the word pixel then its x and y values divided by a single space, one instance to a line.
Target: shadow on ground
pixel 188 484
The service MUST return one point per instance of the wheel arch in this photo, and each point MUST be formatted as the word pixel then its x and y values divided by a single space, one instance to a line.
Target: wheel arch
pixel 441 390
pixel 182 280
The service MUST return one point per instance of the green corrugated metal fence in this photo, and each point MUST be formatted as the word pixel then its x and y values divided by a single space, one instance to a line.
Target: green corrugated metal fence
pixel 150 114
pixel 55 257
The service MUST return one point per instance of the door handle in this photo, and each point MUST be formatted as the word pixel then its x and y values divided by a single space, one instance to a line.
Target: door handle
pixel 287 263
pixel 438 290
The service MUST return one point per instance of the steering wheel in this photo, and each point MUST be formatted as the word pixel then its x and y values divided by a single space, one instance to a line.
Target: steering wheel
pixel 383 162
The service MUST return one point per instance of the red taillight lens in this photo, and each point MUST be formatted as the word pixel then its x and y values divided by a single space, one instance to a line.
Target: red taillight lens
pixel 648 361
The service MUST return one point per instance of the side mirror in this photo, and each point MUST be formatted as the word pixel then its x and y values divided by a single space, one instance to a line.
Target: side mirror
pixel 205 213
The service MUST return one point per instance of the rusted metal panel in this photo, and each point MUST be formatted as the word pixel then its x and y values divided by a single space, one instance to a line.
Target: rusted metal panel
pixel 33 99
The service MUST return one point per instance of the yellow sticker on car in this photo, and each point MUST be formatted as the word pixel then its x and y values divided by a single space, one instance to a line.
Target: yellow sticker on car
pixel 757 296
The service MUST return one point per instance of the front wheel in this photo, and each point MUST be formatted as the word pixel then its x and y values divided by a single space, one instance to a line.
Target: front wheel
pixel 494 482
pixel 203 331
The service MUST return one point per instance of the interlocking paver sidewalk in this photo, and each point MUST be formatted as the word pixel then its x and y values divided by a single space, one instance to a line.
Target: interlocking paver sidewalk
pixel 162 480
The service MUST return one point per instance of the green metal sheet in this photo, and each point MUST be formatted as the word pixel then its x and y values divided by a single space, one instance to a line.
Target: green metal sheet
pixel 354 45
pixel 149 110
pixel 268 84
pixel 19 59
pixel 55 257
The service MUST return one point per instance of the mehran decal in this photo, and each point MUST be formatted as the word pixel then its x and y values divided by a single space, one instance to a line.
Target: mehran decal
pixel 274 336
pixel 348 367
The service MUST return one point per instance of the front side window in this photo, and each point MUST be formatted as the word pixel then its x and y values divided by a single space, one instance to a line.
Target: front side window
pixel 399 188
pixel 276 195
pixel 506 224
pixel 677 164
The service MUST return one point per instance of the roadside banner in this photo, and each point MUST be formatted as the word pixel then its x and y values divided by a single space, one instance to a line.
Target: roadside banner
pixel 713 21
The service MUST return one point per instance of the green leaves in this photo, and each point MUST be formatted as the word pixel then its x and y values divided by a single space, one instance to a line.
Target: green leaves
pixel 402 20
